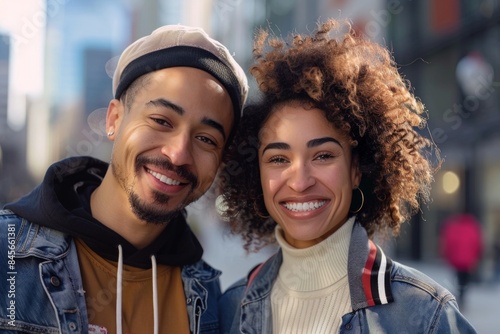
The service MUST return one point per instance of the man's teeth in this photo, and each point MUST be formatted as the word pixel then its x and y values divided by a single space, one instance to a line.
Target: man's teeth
pixel 302 207
pixel 164 179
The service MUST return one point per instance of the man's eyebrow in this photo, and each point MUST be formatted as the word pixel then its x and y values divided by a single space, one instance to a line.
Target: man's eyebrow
pixel 276 146
pixel 179 110
pixel 167 104
pixel 214 124
pixel 320 141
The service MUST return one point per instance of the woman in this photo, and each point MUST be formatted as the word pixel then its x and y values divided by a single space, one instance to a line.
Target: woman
pixel 328 157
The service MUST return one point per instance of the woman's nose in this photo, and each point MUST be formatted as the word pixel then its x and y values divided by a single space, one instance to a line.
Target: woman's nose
pixel 300 177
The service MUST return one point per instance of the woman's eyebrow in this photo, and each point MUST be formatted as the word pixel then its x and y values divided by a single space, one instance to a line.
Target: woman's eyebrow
pixel 320 141
pixel 277 146
pixel 311 143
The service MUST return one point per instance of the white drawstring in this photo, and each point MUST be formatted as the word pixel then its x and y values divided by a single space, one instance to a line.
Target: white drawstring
pixel 119 278
pixel 155 294
pixel 119 291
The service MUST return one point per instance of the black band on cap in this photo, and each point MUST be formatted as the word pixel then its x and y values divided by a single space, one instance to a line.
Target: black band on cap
pixel 183 56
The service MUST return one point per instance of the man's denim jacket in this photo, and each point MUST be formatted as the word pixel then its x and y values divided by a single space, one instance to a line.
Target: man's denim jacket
pixel 386 297
pixel 41 289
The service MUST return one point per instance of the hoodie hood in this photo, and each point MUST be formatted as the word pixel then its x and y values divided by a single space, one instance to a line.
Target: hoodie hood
pixel 62 202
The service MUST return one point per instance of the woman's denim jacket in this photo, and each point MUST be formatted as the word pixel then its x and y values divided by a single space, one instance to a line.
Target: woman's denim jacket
pixel 386 297
pixel 41 289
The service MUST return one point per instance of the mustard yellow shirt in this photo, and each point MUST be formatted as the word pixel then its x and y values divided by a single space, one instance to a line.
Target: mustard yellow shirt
pixel 99 282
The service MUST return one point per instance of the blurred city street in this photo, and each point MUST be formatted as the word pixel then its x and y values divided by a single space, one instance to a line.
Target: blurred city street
pixel 482 310
pixel 57 60
pixel 481 307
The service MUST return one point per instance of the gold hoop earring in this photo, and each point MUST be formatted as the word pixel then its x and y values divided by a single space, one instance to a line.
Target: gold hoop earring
pixel 362 201
pixel 257 210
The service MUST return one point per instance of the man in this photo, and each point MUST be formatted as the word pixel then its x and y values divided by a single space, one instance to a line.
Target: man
pixel 106 249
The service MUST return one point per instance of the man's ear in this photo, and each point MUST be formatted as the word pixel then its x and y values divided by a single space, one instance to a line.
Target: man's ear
pixel 114 117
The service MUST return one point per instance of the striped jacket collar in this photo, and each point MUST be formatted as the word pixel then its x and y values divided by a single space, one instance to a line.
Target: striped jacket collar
pixel 369 271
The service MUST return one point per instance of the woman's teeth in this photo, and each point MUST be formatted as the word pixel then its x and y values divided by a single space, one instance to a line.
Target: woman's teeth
pixel 302 207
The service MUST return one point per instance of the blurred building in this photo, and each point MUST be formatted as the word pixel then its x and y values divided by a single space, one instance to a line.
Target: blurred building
pixel 14 179
pixel 235 22
pixel 4 79
pixel 450 51
pixel 83 39
pixel 5 145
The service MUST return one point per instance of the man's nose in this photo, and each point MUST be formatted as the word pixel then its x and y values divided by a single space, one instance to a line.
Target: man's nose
pixel 178 149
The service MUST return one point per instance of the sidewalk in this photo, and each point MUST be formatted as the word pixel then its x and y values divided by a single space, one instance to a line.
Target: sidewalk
pixel 482 309
pixel 482 299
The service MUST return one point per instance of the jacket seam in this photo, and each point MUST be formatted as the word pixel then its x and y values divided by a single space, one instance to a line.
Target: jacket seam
pixel 49 296
pixel 443 298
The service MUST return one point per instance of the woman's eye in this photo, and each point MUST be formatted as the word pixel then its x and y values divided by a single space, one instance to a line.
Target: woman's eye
pixel 277 160
pixel 324 156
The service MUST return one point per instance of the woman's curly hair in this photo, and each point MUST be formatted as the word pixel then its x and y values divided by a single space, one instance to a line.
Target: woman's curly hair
pixel 357 84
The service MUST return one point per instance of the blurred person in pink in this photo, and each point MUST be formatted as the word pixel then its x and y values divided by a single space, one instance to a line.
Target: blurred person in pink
pixel 462 246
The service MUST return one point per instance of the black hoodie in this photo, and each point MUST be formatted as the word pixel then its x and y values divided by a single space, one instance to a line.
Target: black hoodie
pixel 62 202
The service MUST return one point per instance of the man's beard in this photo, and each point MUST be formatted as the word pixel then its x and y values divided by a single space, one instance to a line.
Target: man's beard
pixel 153 213
pixel 148 213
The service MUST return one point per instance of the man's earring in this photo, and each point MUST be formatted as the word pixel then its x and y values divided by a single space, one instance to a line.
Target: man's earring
pixel 110 133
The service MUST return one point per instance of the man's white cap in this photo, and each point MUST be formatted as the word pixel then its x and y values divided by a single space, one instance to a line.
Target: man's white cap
pixel 178 45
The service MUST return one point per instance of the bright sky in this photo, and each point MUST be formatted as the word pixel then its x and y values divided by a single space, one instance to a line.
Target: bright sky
pixel 24 21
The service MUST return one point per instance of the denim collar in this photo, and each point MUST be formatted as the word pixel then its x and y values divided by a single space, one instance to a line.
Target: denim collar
pixel 369 273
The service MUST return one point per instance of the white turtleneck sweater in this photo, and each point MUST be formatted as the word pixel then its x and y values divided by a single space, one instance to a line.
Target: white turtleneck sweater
pixel 311 292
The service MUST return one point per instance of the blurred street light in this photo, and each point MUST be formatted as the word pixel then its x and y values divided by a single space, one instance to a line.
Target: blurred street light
pixel 475 77
pixel 474 74
pixel 451 182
